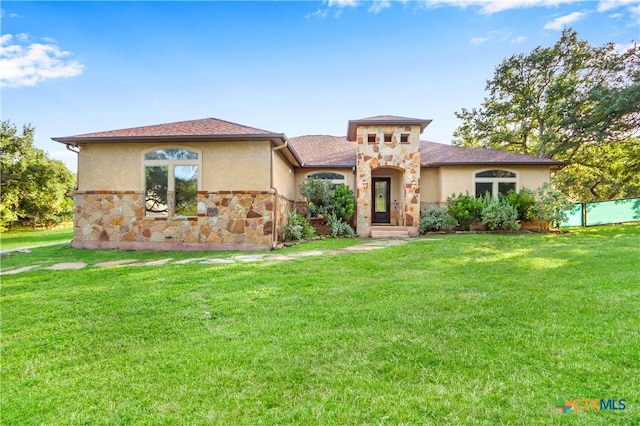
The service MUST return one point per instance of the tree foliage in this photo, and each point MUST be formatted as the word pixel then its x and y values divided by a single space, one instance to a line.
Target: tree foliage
pixel 571 102
pixel 36 190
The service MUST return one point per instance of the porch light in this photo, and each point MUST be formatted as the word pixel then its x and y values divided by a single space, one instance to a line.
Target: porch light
pixel 413 182
pixel 365 184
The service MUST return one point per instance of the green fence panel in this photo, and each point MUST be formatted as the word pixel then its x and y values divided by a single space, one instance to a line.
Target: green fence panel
pixel 617 211
pixel 574 217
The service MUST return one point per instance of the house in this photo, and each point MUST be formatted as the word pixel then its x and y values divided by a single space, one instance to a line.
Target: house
pixel 211 184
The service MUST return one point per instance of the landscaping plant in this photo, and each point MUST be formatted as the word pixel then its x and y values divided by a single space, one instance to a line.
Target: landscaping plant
pixel 436 219
pixel 465 210
pixel 319 194
pixel 297 228
pixel 338 227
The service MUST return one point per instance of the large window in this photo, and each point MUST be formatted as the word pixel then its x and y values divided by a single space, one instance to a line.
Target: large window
pixel 495 182
pixel 171 182
pixel 334 178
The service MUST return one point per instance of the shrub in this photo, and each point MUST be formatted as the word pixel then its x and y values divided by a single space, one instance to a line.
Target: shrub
pixel 319 193
pixel 499 214
pixel 435 219
pixel 338 227
pixel 297 228
pixel 551 205
pixel 465 210
pixel 524 202
pixel 343 202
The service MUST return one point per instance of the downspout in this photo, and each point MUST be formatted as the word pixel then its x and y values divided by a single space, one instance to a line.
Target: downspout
pixel 69 147
pixel 274 230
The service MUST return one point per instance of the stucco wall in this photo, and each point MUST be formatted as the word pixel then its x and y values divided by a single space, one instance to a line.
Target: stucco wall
pixel 430 185
pixel 460 179
pixel 283 179
pixel 226 166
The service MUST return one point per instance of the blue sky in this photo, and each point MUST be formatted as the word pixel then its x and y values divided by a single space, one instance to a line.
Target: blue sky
pixel 293 67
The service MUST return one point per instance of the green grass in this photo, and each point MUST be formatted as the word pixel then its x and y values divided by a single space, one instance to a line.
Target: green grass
pixel 27 237
pixel 452 329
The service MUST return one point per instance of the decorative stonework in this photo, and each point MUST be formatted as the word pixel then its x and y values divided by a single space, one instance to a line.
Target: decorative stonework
pixel 226 220
pixel 401 157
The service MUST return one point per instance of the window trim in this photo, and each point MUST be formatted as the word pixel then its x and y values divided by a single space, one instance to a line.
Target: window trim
pixel 495 181
pixel 171 164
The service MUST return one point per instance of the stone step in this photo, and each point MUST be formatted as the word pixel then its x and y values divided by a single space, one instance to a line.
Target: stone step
pixel 389 232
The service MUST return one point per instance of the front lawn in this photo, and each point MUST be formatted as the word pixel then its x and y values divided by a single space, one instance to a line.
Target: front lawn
pixel 449 329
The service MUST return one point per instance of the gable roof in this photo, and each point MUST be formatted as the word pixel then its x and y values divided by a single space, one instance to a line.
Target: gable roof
pixel 384 120
pixel 205 129
pixel 335 151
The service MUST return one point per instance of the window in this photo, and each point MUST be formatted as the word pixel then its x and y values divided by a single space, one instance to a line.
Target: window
pixel 404 138
pixel 334 178
pixel 171 182
pixel 495 182
pixel 387 137
pixel 371 138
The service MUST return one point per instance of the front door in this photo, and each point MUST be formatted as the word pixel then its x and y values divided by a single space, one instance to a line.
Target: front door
pixel 381 200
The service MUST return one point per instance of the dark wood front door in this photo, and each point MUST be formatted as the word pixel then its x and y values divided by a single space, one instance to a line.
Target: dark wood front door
pixel 381 200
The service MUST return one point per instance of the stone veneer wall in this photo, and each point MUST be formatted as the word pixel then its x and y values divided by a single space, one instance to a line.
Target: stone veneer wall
pixel 404 157
pixel 226 220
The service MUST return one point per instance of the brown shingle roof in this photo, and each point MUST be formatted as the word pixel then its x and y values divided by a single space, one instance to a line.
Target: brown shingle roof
pixel 384 120
pixel 324 151
pixel 335 151
pixel 434 154
pixel 202 127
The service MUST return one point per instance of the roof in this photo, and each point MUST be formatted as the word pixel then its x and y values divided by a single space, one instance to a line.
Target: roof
pixel 384 120
pixel 434 154
pixel 325 151
pixel 334 151
pixel 192 130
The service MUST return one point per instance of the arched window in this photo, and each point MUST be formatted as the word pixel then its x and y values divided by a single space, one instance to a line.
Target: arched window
pixel 171 182
pixel 495 182
pixel 334 178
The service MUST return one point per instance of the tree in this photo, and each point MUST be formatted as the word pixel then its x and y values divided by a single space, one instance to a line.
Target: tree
pixel 571 102
pixel 35 190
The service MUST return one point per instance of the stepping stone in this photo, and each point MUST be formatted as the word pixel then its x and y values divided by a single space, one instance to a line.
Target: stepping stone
pixel 185 261
pixel 363 248
pixel 158 262
pixel 17 271
pixel 64 266
pixel 111 263
pixel 277 257
pixel 307 253
pixel 249 257
pixel 216 261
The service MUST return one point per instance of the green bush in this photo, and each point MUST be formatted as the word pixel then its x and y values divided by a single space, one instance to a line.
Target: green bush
pixel 499 214
pixel 551 205
pixel 297 228
pixel 465 210
pixel 339 228
pixel 319 194
pixel 435 219
pixel 343 202
pixel 524 202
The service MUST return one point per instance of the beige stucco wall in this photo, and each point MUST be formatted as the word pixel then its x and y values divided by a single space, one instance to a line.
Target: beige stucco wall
pixel 283 179
pixel 439 183
pixel 301 175
pixel 226 166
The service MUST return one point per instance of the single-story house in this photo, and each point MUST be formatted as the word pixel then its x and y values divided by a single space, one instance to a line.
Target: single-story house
pixel 211 184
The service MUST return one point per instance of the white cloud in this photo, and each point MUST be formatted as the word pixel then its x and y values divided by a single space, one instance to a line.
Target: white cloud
pixel 342 3
pixel 320 13
pixel 562 21
pixel 489 7
pixel 379 5
pixel 518 40
pixel 476 41
pixel 605 5
pixel 24 64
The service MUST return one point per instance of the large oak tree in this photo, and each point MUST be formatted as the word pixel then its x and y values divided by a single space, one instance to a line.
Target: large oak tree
pixel 572 102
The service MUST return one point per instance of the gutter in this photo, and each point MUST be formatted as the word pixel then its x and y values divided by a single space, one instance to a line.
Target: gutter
pixel 70 148
pixel 274 229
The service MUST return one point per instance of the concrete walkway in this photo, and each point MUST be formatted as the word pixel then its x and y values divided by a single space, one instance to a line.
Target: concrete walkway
pixel 239 258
